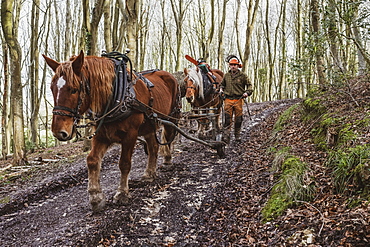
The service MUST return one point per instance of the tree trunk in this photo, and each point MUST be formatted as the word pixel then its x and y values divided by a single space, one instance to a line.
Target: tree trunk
pixel 220 35
pixel 333 35
pixel 43 80
pixel 236 26
pixel 47 23
pixel 282 78
pixel 163 33
pixel 143 36
pixel 362 56
pixel 270 57
pixel 5 133
pixel 179 16
pixel 315 20
pixel 67 35
pixel 86 29
pixel 252 13
pixel 9 30
pixel 298 54
pixel 36 95
pixel 119 31
pixel 97 14
pixel 115 24
pixel 132 12
pixel 211 30
pixel 107 27
pixel 57 45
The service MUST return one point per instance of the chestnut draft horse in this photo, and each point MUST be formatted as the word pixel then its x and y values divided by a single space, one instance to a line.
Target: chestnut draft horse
pixel 89 84
pixel 202 92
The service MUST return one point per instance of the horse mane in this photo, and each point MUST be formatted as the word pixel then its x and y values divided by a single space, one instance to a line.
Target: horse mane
pixel 98 75
pixel 196 76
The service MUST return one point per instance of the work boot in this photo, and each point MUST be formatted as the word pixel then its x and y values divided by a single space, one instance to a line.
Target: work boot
pixel 237 135
pixel 226 136
pixel 237 127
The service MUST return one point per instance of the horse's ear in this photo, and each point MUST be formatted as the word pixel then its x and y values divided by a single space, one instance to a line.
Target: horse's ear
pixel 78 63
pixel 52 63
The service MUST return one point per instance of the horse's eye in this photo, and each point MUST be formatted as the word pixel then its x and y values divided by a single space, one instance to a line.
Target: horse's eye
pixel 73 91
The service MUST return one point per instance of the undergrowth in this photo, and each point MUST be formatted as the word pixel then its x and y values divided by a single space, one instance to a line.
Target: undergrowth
pixel 351 169
pixel 338 125
pixel 283 120
pixel 293 184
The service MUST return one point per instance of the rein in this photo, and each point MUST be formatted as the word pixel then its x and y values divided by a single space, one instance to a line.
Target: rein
pixel 216 95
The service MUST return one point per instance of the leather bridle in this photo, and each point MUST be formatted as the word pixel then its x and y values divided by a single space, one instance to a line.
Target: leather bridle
pixel 73 113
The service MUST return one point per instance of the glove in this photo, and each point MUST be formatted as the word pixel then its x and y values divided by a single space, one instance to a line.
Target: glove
pixel 245 95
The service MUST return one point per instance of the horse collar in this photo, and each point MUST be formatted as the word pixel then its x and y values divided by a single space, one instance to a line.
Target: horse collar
pixel 122 95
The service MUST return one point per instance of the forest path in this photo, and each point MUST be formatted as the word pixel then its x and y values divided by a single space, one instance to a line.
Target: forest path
pixel 190 203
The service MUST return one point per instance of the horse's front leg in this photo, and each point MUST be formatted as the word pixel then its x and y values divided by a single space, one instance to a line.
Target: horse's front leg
pixel 96 195
pixel 122 194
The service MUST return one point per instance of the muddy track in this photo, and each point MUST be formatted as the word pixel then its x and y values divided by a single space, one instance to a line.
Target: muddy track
pixel 182 207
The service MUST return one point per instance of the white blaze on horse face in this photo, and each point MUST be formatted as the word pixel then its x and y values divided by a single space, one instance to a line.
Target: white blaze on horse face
pixel 60 84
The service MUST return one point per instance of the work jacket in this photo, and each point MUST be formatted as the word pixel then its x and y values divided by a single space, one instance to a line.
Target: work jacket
pixel 235 85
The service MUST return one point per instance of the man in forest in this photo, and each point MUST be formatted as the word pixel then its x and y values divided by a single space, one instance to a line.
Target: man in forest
pixel 235 87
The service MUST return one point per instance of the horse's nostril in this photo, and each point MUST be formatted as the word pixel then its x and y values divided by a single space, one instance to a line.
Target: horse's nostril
pixel 62 136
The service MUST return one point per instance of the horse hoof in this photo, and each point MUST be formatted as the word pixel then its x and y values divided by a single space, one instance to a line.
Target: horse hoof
pixel 167 161
pixel 121 198
pixel 149 177
pixel 97 202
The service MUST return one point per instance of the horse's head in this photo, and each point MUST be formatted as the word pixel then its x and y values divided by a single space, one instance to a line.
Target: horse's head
pixel 68 88
pixel 194 85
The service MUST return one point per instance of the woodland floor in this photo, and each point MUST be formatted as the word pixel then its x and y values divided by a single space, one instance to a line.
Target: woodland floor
pixel 200 200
